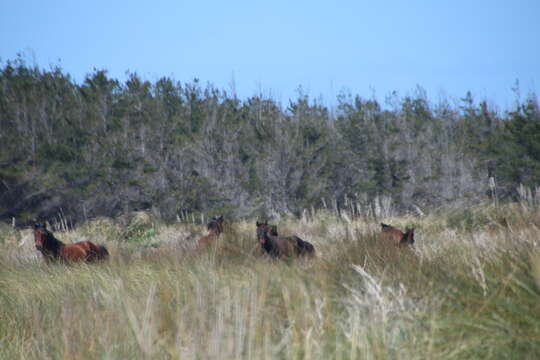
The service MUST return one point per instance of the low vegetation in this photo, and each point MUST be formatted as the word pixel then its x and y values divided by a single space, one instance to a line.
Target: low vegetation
pixel 470 289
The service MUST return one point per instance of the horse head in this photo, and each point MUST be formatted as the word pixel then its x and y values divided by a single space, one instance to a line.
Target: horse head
pixel 216 225
pixel 262 230
pixel 408 237
pixel 41 235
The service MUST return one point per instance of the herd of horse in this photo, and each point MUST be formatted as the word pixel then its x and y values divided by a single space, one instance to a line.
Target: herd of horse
pixel 272 244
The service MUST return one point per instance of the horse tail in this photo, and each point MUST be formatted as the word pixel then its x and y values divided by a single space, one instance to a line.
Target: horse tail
pixel 309 248
pixel 304 247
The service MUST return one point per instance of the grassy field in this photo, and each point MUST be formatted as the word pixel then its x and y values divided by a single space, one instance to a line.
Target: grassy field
pixel 470 289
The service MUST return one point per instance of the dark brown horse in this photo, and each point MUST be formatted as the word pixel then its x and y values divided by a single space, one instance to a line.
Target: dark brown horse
pixel 215 228
pixel 53 250
pixel 398 237
pixel 281 246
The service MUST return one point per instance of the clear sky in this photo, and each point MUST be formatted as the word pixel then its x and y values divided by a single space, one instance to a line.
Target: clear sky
pixel 367 47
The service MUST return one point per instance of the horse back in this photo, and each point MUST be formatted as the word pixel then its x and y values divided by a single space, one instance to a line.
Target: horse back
pixel 278 246
pixel 73 253
pixel 93 251
pixel 391 233
pixel 290 245
pixel 206 241
pixel 394 236
pixel 303 247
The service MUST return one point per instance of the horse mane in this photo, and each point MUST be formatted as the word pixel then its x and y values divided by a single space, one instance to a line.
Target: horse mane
pixel 50 243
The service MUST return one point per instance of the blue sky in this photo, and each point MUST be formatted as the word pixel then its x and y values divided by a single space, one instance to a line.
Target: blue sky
pixel 366 47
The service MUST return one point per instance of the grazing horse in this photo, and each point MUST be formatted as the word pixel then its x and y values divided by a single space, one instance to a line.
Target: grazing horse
pixel 399 238
pixel 53 250
pixel 215 228
pixel 282 246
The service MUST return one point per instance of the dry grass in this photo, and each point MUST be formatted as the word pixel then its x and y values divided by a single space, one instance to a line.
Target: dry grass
pixel 470 289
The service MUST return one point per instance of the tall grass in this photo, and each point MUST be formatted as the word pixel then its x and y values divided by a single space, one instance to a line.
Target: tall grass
pixel 468 290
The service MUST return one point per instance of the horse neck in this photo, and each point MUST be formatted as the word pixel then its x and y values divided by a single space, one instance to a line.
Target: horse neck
pixel 269 244
pixel 268 237
pixel 275 241
pixel 52 244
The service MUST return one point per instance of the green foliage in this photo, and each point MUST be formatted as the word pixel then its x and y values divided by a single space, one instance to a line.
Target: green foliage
pixel 517 146
pixel 149 169
pixel 6 232
pixel 466 219
pixel 107 144
pixel 120 163
pixel 139 232
pixel 58 152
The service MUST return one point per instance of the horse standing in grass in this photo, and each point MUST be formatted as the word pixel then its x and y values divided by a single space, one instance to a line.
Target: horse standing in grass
pixel 399 237
pixel 282 246
pixel 53 250
pixel 215 228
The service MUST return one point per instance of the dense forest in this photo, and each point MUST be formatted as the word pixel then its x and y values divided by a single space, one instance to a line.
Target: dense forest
pixel 103 147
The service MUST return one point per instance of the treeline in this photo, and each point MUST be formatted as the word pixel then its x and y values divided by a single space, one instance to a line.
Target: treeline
pixel 103 147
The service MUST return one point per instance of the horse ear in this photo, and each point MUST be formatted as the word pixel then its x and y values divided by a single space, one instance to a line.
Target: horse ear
pixel 38 225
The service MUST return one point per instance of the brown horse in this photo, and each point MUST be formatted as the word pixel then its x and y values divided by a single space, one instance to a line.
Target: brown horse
pixel 53 250
pixel 215 228
pixel 281 246
pixel 399 238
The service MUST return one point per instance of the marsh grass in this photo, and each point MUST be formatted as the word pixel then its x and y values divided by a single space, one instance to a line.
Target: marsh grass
pixel 463 292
